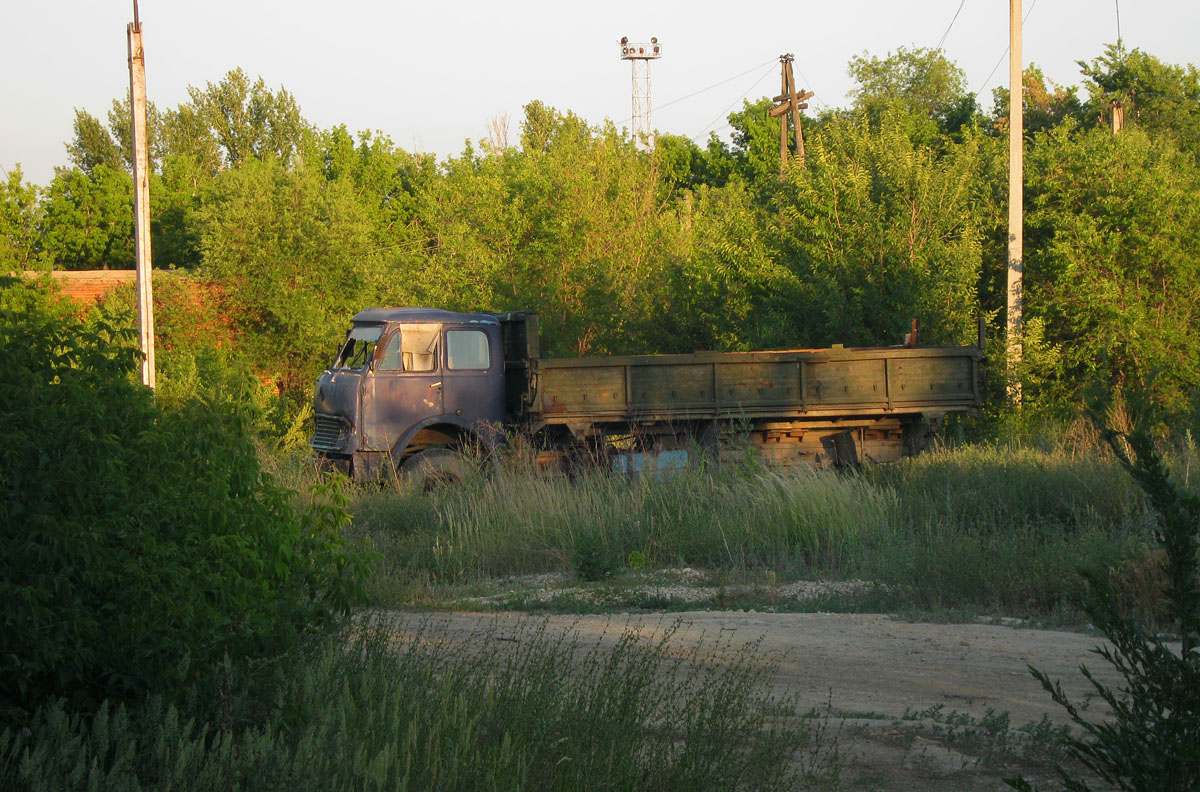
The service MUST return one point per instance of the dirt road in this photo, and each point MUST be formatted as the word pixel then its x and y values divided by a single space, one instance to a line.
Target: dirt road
pixel 874 670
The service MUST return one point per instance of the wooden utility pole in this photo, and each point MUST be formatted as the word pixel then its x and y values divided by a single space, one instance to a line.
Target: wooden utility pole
pixel 1118 114
pixel 141 195
pixel 1016 173
pixel 789 101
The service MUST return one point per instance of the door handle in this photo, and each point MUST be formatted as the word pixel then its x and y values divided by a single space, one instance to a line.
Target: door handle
pixel 436 385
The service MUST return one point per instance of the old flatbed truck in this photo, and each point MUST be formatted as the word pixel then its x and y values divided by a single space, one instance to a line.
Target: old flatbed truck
pixel 412 388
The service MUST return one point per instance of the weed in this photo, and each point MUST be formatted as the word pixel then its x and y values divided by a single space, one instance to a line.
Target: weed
pixel 399 706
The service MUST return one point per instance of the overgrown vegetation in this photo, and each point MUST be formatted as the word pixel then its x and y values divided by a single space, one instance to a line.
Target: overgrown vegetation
pixel 142 546
pixel 985 529
pixel 401 707
pixel 170 610
pixel 898 211
pixel 1151 740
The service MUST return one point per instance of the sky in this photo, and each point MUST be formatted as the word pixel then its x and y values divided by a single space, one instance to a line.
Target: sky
pixel 432 75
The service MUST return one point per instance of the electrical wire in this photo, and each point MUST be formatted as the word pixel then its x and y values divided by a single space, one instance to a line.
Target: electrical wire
pixel 988 79
pixel 725 112
pixel 942 41
pixel 808 84
pixel 703 90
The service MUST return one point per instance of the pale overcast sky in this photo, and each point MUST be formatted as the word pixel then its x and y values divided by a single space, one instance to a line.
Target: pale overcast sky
pixel 430 75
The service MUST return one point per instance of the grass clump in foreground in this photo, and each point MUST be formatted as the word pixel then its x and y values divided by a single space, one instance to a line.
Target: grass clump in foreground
pixel 991 529
pixel 406 706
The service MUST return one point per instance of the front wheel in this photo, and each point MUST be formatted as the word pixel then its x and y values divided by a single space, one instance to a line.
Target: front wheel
pixel 434 468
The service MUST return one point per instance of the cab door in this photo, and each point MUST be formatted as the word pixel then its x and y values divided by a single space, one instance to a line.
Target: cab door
pixel 405 385
pixel 474 374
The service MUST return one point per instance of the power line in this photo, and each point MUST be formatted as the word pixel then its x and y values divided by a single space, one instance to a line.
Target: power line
pixel 725 112
pixel 1004 54
pixel 709 88
pixel 808 83
pixel 938 48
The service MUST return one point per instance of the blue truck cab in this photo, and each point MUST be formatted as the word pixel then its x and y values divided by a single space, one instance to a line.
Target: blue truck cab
pixel 410 389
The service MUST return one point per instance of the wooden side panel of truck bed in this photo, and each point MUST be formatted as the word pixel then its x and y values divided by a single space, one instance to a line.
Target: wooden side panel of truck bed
pixel 799 384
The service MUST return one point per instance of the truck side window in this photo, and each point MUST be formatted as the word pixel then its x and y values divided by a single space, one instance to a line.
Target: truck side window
pixel 359 347
pixel 468 349
pixel 419 346
pixel 391 360
pixel 412 347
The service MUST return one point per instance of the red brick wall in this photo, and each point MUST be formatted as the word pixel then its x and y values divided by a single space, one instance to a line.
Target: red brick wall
pixel 88 287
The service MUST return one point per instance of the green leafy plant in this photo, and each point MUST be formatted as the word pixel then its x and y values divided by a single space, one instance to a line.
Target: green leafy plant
pixel 1152 738
pixel 141 545
pixel 593 557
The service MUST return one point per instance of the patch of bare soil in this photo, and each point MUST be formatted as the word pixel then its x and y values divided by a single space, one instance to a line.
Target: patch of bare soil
pixel 911 706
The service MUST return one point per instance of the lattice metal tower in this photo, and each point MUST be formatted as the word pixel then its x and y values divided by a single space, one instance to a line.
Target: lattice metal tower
pixel 640 56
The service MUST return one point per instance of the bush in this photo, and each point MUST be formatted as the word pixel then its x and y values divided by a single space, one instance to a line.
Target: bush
pixel 141 546
pixel 1152 740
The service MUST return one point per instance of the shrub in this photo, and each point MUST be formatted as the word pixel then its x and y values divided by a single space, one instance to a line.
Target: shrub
pixel 1152 740
pixel 141 546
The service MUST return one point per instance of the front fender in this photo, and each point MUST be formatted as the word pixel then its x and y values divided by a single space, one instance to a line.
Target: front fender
pixel 486 435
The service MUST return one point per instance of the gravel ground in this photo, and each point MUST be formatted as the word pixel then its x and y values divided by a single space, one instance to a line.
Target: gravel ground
pixel 871 670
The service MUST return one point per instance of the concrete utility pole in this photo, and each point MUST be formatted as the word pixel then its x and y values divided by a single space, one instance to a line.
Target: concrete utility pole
pixel 789 101
pixel 640 56
pixel 1016 205
pixel 141 195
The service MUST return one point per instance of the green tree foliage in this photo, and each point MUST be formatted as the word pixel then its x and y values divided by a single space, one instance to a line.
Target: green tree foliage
pixel 1115 275
pixel 878 230
pixel 900 212
pixel 922 81
pixel 727 290
pixel 291 255
pixel 92 144
pixel 755 150
pixel 89 219
pixel 1165 97
pixel 20 232
pixel 1045 104
pixel 570 225
pixel 233 121
pixel 141 546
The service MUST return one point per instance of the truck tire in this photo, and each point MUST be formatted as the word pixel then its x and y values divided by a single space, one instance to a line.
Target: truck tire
pixel 433 468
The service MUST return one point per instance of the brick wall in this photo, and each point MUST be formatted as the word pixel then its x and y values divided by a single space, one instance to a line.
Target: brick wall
pixel 88 287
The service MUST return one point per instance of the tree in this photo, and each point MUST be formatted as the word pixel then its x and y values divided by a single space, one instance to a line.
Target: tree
pixel 92 145
pixel 1116 278
pixel 921 81
pixel 291 256
pixel 1045 104
pixel 878 230
pixel 571 225
pixel 224 125
pixel 1166 97
pixel 140 547
pixel 20 221
pixel 89 219
pixel 726 291
pixel 755 148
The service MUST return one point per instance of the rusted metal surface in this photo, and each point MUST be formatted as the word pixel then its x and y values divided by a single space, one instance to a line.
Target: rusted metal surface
pixel 802 383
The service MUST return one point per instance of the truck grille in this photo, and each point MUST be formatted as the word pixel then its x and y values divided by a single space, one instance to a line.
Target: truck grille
pixel 330 434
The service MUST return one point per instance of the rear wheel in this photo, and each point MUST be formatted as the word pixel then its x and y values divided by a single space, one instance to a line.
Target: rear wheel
pixel 434 468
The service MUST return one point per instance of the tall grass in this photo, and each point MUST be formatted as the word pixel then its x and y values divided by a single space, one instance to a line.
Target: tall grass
pixel 516 522
pixel 411 707
pixel 994 527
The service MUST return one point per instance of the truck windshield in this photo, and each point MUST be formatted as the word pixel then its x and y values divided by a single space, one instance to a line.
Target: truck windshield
pixel 359 348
